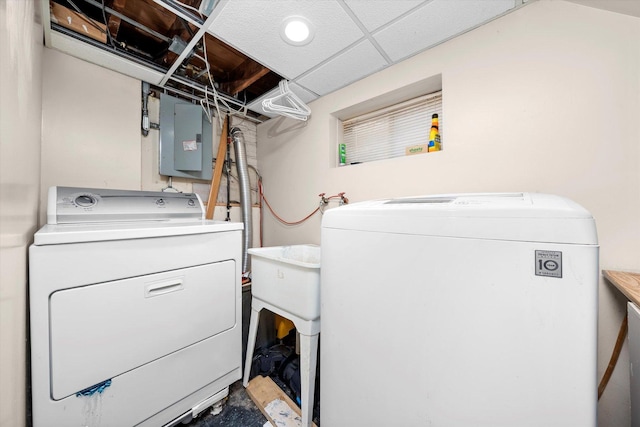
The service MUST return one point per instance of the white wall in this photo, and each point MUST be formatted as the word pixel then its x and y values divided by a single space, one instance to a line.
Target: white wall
pixel 90 126
pixel 545 99
pixel 20 112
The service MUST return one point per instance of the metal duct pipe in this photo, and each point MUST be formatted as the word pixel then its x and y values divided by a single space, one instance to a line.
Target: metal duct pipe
pixel 245 194
pixel 145 108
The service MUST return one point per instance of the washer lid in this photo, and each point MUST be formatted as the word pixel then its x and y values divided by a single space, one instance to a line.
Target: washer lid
pixel 98 232
pixel 529 217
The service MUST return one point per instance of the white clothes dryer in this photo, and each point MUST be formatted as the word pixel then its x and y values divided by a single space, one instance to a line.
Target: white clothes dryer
pixel 135 308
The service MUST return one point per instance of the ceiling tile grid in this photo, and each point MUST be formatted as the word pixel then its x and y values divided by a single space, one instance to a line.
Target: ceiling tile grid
pixel 375 14
pixel 253 27
pixel 436 22
pixel 355 63
pixel 340 52
pixel 352 39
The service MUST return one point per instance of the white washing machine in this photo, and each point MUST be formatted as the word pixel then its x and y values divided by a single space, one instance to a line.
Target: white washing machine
pixel 459 310
pixel 135 309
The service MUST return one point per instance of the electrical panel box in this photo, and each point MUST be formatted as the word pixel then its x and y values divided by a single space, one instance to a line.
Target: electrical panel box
pixel 186 139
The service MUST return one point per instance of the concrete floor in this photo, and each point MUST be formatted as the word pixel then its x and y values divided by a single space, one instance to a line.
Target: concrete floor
pixel 238 411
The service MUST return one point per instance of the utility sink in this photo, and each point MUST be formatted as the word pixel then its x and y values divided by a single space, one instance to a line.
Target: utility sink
pixel 288 277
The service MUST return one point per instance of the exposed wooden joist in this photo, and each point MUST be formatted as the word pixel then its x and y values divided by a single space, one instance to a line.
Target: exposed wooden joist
pixel 114 21
pixel 182 13
pixel 148 27
pixel 136 23
pixel 250 72
pixel 78 23
pixel 188 49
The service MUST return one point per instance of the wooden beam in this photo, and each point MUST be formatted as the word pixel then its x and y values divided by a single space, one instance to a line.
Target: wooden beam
pixel 114 21
pixel 217 170
pixel 74 21
pixel 114 26
pixel 250 72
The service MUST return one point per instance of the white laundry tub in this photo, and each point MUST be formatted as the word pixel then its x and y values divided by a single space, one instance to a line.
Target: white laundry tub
pixel 288 277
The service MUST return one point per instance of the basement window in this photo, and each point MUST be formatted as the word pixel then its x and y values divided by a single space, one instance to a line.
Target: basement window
pixel 396 131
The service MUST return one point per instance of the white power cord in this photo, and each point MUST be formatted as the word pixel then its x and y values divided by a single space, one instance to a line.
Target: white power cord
pixel 216 97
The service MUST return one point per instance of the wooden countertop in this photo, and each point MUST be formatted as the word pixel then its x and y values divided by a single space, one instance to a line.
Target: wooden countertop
pixel 627 283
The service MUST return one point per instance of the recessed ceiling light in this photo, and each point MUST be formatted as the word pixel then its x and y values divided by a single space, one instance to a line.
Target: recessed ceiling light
pixel 297 31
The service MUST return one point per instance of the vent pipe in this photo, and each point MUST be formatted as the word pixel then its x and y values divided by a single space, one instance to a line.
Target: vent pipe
pixel 245 194
pixel 145 108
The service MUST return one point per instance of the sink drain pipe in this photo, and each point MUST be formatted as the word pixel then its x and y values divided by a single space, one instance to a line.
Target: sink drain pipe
pixel 245 194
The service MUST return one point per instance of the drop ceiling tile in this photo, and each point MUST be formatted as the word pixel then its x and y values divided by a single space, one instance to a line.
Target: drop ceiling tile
pixel 374 14
pixel 351 65
pixel 302 93
pixel 253 27
pixel 436 22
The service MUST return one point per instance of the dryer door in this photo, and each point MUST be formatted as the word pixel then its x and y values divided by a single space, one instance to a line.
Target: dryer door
pixel 100 331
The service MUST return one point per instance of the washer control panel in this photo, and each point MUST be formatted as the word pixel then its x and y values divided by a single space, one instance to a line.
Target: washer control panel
pixel 71 205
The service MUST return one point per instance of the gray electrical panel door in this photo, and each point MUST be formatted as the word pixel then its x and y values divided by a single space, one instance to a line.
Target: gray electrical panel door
pixel 186 139
pixel 187 146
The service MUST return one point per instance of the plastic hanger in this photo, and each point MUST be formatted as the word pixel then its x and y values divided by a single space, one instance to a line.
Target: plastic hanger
pixel 287 103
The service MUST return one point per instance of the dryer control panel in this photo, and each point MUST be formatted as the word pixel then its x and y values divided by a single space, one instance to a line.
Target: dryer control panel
pixel 72 205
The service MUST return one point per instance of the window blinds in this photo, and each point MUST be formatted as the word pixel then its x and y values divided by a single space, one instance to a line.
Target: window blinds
pixel 392 131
